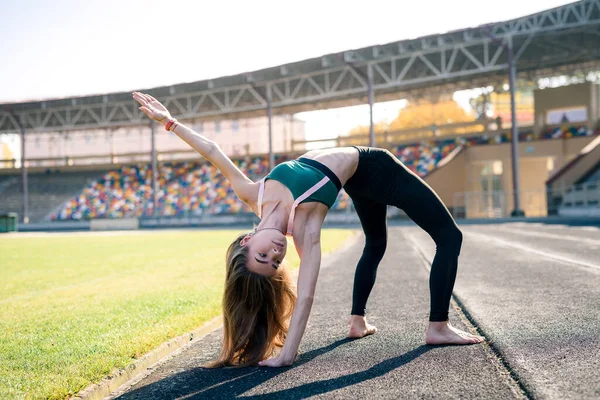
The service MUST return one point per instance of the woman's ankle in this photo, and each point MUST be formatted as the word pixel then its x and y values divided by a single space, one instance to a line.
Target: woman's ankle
pixel 438 325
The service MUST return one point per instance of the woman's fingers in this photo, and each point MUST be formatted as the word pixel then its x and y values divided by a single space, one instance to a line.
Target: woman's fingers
pixel 139 98
pixel 145 106
pixel 147 97
pixel 149 105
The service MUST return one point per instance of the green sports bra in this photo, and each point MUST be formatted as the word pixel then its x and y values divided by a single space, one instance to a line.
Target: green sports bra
pixel 308 180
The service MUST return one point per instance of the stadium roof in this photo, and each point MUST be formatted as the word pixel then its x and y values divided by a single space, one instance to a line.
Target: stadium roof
pixel 561 40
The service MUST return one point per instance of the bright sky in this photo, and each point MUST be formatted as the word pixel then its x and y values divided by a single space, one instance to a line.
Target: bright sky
pixel 64 48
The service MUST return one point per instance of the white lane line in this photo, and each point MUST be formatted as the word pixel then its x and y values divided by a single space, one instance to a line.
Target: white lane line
pixel 552 226
pixel 550 235
pixel 552 256
pixel 588 228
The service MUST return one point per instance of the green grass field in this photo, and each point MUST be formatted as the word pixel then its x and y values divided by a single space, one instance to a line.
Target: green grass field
pixel 73 307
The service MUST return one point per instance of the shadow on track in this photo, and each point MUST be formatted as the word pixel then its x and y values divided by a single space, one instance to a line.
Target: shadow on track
pixel 228 383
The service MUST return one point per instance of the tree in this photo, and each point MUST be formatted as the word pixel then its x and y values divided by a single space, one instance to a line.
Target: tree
pixel 425 113
pixel 6 154
pixel 481 105
pixel 362 131
pixel 378 128
pixel 422 115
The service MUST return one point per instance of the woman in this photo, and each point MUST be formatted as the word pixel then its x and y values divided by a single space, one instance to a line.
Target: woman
pixel 293 200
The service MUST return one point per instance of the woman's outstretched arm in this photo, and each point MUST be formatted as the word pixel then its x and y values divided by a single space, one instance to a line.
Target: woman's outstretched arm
pixel 242 185
pixel 307 236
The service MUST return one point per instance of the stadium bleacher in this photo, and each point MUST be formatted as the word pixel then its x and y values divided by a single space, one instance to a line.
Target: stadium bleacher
pixel 566 132
pixel 47 191
pixel 186 187
pixel 6 181
pixel 423 157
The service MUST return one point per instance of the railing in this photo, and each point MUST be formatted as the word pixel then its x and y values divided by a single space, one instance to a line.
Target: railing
pixel 498 204
pixel 101 159
pixel 391 138
pixel 579 200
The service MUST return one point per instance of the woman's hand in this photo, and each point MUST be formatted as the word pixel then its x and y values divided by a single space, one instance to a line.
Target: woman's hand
pixel 152 107
pixel 275 362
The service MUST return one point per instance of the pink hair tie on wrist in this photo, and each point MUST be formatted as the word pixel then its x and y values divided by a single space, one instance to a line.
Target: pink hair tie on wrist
pixel 170 124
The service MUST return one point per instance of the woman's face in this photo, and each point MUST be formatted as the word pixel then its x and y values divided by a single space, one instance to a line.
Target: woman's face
pixel 266 250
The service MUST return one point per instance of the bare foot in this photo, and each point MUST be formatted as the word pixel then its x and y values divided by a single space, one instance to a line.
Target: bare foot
pixel 444 333
pixel 360 328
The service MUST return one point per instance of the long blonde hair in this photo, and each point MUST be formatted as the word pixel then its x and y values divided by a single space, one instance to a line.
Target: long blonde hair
pixel 256 311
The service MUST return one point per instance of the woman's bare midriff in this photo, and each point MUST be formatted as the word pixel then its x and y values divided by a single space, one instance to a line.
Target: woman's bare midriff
pixel 342 161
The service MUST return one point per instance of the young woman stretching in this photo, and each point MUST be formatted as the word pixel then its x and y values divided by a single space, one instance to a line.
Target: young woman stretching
pixel 260 298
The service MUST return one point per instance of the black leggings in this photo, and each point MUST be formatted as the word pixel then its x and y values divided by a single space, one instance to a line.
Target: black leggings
pixel 381 180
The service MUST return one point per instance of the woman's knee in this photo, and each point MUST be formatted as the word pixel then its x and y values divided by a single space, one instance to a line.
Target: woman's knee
pixel 450 236
pixel 375 247
pixel 457 236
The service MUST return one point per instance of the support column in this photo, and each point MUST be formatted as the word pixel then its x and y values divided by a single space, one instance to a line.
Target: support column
pixel 371 99
pixel 270 116
pixel 154 169
pixel 512 72
pixel 24 182
pixel 592 108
